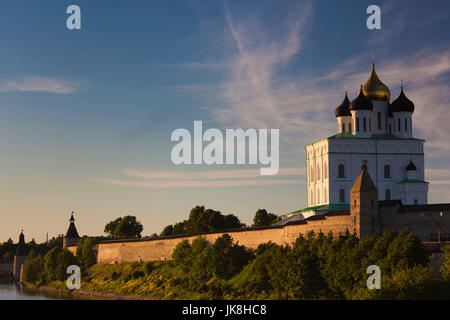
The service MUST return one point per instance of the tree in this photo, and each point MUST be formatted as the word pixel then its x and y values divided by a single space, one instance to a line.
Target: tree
pixel 65 259
pixel 445 269
pixel 85 253
pixel 33 269
pixel 203 220
pixel 51 264
pixel 263 218
pixel 227 258
pixel 124 228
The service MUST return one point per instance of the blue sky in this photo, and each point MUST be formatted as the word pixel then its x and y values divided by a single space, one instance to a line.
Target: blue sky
pixel 86 116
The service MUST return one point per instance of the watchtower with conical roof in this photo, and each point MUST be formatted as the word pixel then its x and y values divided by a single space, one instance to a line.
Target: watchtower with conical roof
pixel 71 237
pixel 20 257
pixel 364 205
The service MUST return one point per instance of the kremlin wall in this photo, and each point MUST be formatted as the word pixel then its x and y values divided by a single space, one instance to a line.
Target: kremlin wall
pixel 366 216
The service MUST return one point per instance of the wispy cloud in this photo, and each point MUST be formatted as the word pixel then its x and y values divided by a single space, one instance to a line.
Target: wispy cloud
pixel 204 179
pixel 258 94
pixel 39 84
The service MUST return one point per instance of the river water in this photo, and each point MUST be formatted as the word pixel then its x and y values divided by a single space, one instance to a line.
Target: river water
pixel 14 292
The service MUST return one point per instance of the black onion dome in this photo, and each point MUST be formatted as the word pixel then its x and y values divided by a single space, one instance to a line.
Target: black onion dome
pixel 411 166
pixel 361 102
pixel 402 103
pixel 343 109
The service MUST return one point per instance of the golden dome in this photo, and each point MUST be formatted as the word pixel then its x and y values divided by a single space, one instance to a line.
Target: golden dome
pixel 374 89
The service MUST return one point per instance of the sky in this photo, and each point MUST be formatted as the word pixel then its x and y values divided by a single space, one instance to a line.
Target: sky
pixel 86 115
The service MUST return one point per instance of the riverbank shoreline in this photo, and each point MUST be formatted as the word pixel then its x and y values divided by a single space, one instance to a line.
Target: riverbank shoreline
pixel 81 294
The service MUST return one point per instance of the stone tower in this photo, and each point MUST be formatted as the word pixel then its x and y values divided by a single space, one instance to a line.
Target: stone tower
pixel 20 257
pixel 364 205
pixel 71 237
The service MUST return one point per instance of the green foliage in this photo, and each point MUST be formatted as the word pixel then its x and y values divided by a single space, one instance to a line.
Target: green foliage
pixel 203 220
pixel 56 262
pixel 85 253
pixel 227 258
pixel 124 228
pixel 263 218
pixel 33 269
pixel 445 268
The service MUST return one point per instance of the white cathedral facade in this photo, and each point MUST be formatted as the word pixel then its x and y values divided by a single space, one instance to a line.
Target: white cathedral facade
pixel 373 131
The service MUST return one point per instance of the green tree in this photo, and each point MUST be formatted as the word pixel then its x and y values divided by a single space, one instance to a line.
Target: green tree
pixel 203 220
pixel 445 268
pixel 182 255
pixel 263 218
pixel 227 258
pixel 65 258
pixel 33 269
pixel 124 228
pixel 51 264
pixel 85 253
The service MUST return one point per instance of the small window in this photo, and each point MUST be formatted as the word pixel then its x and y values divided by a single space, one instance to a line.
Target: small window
pixel 379 120
pixel 410 124
pixel 325 171
pixel 318 172
pixel 398 122
pixel 364 124
pixel 406 124
pixel 388 194
pixel 387 171
pixel 357 124
pixel 341 171
pixel 343 127
pixel 349 127
pixel 318 196
pixel 341 195
pixel 390 129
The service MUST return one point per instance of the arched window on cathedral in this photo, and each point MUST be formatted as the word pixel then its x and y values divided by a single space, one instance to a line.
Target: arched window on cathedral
pixel 325 195
pixel 379 120
pixel 406 124
pixel 388 194
pixel 341 171
pixel 318 196
pixel 387 171
pixel 364 124
pixel 398 125
pixel 357 124
pixel 318 172
pixel 312 174
pixel 350 127
pixel 341 195
pixel 343 127
pixel 325 171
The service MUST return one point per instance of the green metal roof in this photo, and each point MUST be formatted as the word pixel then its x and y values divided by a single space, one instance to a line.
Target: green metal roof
pixel 328 207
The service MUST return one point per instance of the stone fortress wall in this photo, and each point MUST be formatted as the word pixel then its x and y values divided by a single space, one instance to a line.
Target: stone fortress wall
pixel 433 219
pixel 161 249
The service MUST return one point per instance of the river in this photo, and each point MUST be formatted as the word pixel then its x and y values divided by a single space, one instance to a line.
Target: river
pixel 14 292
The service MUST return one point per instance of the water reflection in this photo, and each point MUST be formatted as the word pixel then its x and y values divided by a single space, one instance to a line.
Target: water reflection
pixel 16 292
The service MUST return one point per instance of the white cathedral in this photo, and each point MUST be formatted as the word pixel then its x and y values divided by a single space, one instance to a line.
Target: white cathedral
pixel 373 131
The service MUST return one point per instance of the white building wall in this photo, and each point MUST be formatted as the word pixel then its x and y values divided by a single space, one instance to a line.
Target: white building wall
pixel 351 153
